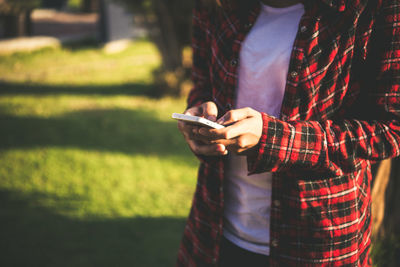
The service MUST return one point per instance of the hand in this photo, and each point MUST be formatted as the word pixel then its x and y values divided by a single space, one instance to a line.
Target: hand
pixel 243 131
pixel 209 111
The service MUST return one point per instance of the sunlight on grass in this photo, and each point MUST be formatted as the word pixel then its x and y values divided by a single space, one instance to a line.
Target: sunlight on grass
pixel 85 66
pixel 49 106
pixel 92 132
pixel 90 165
pixel 82 184
pixel 87 145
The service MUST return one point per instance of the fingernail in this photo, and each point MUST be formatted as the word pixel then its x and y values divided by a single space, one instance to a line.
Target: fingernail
pixel 211 118
pixel 221 120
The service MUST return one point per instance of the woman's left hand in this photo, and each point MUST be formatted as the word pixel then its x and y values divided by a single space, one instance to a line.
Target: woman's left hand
pixel 242 132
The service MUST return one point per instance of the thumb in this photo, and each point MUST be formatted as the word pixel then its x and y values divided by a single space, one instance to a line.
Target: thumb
pixel 210 111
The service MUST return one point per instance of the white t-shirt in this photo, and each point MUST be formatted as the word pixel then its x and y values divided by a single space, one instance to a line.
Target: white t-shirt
pixel 263 68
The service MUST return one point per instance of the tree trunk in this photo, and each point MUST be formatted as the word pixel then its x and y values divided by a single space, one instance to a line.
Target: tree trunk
pixel 17 25
pixel 170 77
pixel 90 5
pixel 386 199
pixel 381 179
pixel 167 41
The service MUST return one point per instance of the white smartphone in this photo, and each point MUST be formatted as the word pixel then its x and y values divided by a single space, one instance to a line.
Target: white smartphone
pixel 197 120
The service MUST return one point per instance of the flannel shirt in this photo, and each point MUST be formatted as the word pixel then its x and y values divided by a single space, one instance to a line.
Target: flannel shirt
pixel 340 114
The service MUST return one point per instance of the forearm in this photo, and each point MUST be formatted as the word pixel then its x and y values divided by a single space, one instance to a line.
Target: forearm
pixel 323 147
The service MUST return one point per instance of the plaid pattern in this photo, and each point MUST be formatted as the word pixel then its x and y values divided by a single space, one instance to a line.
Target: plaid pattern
pixel 340 114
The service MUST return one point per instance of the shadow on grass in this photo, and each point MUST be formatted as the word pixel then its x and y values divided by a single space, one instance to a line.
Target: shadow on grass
pixel 35 236
pixel 112 130
pixel 82 44
pixel 130 89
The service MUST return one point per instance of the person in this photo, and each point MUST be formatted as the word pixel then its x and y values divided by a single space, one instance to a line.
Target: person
pixel 308 92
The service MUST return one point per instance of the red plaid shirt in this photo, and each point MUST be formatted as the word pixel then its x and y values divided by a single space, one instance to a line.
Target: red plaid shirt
pixel 340 114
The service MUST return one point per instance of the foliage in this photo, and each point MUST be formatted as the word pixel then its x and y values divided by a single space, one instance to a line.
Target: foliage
pixel 74 4
pixel 386 252
pixel 17 6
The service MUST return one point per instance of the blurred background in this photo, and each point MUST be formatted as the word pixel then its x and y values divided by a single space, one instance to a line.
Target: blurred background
pixel 93 172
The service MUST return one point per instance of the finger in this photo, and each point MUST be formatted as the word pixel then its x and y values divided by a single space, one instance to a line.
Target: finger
pixel 231 145
pixel 191 132
pixel 185 127
pixel 195 134
pixel 210 110
pixel 239 128
pixel 194 111
pixel 242 145
pixel 237 144
pixel 226 142
pixel 199 137
pixel 198 134
pixel 207 150
pixel 235 115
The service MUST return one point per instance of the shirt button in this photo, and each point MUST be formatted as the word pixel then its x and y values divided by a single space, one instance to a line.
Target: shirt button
pixel 274 243
pixel 248 25
pixel 294 74
pixel 277 203
pixel 234 62
pixel 303 29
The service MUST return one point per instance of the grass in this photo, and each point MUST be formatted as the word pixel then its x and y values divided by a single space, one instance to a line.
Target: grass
pixel 93 172
pixel 82 65
pixel 386 252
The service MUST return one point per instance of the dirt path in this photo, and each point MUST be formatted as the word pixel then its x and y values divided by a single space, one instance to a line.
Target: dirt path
pixel 61 24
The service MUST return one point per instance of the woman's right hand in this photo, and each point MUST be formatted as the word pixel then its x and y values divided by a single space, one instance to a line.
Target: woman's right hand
pixel 209 111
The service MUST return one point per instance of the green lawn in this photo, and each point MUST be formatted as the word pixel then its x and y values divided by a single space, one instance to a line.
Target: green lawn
pixel 93 172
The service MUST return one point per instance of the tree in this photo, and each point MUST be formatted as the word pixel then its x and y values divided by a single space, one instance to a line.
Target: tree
pixel 57 4
pixel 169 24
pixel 386 213
pixel 16 16
pixel 90 5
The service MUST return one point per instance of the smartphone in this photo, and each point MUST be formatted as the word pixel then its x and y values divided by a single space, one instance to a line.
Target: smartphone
pixel 197 120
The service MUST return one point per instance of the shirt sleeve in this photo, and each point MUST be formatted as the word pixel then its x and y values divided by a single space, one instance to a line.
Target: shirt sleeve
pixel 201 91
pixel 335 147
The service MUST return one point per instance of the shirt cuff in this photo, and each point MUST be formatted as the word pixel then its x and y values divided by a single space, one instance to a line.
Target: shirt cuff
pixel 273 147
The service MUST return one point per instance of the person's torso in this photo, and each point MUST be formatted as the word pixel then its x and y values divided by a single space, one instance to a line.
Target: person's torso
pixel 325 77
pixel 263 67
